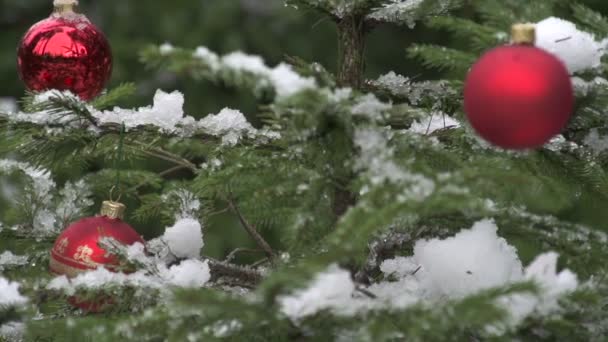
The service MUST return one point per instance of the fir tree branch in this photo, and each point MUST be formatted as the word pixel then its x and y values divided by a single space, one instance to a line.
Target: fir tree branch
pixel 246 275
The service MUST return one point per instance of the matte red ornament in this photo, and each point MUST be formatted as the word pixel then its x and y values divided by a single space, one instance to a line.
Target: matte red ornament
pixel 65 52
pixel 77 251
pixel 518 97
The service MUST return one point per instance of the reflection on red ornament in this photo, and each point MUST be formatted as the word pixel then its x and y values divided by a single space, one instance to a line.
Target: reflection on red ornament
pixel 518 97
pixel 65 52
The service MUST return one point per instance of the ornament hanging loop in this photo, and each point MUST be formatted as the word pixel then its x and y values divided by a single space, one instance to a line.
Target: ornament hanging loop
pixel 111 197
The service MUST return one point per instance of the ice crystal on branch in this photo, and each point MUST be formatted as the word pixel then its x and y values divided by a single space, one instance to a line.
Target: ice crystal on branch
pixel 10 260
pixel 409 11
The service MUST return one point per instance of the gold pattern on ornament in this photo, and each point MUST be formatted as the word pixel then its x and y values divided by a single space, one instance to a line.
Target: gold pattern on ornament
pixel 83 254
pixel 62 246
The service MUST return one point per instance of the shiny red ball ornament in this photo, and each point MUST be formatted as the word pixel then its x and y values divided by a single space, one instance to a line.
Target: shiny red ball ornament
pixel 518 96
pixel 65 52
pixel 76 250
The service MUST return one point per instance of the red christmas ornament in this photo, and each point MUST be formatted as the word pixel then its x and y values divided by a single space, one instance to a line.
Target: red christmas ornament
pixel 519 96
pixel 65 52
pixel 77 251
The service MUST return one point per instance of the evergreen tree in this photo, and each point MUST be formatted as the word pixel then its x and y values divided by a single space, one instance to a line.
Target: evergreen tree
pixel 372 210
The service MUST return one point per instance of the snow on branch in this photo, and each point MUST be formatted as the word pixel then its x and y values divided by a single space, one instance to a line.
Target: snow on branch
pixel 166 114
pixel 48 209
pixel 578 50
pixel 237 68
pixel 409 11
pixel 9 294
pixel 473 260
pixel 337 8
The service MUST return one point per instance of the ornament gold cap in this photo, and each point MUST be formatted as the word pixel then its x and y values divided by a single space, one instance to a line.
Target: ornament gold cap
pixel 113 210
pixel 65 6
pixel 523 34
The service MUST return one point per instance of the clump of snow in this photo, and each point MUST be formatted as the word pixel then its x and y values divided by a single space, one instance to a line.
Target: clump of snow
pixel 433 123
pixel 470 261
pixel 189 274
pixel 577 49
pixel 244 62
pixel 11 260
pixel 185 238
pixel 370 106
pixel 553 285
pixel 597 142
pixel 166 49
pixel 9 293
pixel 12 331
pixel 397 11
pixel 287 82
pixel 230 124
pixel 8 105
pixel 376 158
pixel 283 78
pixel 207 56
pixel 224 328
pixel 330 289
pixel 166 113
pixel 474 259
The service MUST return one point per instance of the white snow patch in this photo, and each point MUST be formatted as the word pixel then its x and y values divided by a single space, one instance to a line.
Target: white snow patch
pixel 189 274
pixel 283 78
pixel 230 124
pixel 596 142
pixel 8 105
pixel 577 49
pixel 330 289
pixel 397 11
pixel 371 107
pixel 166 49
pixel 9 293
pixel 9 259
pixel 474 259
pixel 376 159
pixel 433 123
pixel 207 56
pixel 185 238
pixel 166 114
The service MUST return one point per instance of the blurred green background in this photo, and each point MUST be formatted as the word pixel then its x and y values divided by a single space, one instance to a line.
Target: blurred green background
pixel 264 27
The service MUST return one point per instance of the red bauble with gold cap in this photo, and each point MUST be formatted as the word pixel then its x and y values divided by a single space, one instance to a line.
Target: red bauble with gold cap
pixel 65 52
pixel 519 96
pixel 77 250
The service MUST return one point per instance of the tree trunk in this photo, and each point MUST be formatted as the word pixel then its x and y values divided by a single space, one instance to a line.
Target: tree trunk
pixel 351 39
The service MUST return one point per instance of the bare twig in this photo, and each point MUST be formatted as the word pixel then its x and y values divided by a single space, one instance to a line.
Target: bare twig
pixel 366 292
pixel 167 156
pixel 259 240
pixel 234 253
